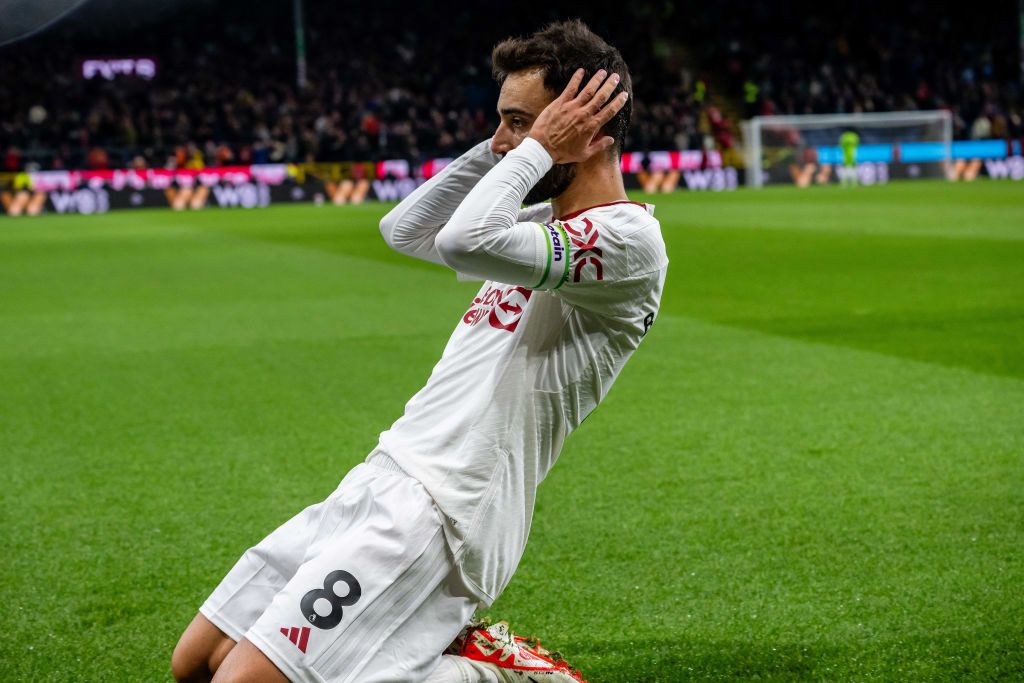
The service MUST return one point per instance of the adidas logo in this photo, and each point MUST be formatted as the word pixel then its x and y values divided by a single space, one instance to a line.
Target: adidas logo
pixel 298 636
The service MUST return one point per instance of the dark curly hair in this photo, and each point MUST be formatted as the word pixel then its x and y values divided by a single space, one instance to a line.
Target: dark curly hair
pixel 559 49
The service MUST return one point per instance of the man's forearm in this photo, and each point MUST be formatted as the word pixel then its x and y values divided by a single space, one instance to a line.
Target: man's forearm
pixel 483 237
pixel 411 226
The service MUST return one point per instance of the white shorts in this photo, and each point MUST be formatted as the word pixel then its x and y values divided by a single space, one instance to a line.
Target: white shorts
pixel 359 587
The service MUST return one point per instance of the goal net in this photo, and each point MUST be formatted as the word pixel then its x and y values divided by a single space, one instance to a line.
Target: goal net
pixel 807 150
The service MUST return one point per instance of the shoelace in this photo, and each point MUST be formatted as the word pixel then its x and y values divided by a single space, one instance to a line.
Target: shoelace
pixel 505 642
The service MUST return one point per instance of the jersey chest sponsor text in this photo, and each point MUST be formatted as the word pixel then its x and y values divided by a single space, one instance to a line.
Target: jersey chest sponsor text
pixel 502 307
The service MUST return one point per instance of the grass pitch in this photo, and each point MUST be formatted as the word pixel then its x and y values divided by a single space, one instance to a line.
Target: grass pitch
pixel 813 468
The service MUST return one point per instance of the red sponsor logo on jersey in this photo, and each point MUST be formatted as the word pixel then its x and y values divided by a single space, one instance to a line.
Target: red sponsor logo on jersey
pixel 502 307
pixel 587 252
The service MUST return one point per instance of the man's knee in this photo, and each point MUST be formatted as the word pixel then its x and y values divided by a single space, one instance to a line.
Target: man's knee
pixel 199 652
pixel 188 665
pixel 247 664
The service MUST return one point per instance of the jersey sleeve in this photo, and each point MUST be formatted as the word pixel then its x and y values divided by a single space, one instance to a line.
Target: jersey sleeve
pixel 535 212
pixel 411 227
pixel 486 239
pixel 610 265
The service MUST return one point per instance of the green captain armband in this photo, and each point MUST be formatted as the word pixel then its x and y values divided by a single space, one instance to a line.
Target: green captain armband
pixel 556 270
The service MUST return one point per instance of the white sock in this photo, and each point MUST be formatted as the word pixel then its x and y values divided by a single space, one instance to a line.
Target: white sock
pixel 455 669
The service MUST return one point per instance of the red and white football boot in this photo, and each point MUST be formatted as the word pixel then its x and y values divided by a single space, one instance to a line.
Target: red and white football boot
pixel 512 658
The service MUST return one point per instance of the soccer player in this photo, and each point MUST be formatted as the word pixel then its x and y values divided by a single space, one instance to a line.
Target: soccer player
pixel 848 143
pixel 380 581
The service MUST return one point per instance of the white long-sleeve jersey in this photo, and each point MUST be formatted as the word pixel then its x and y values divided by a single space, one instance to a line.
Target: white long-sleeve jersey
pixel 564 304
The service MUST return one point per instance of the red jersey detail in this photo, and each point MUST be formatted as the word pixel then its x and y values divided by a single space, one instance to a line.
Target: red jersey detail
pixel 587 252
pixel 298 636
pixel 503 308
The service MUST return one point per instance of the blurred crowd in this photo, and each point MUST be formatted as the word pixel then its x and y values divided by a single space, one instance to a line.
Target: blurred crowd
pixel 872 56
pixel 385 87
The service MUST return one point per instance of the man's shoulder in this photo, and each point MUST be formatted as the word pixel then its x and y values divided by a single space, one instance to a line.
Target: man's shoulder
pixel 619 223
pixel 613 212
pixel 540 213
pixel 614 242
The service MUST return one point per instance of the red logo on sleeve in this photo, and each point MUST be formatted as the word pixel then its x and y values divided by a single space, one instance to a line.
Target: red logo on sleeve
pixel 587 251
pixel 503 308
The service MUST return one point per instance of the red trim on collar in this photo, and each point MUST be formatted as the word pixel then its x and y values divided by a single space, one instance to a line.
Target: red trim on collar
pixel 577 213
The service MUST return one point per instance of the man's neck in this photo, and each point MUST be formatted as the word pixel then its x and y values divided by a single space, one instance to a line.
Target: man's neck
pixel 597 182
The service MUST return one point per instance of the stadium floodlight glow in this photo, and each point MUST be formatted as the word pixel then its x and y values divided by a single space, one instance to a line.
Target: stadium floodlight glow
pixel 21 19
pixel 803 149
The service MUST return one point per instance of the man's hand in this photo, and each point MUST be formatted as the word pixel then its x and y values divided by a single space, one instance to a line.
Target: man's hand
pixel 568 125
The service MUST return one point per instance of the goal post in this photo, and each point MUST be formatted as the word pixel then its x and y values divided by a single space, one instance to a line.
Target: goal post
pixel 805 150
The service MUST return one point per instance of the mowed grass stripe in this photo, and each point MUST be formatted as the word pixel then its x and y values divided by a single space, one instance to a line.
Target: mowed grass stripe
pixel 216 290
pixel 982 211
pixel 955 302
pixel 198 269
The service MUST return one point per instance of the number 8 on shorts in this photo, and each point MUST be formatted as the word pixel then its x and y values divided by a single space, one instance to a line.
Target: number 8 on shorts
pixel 337 602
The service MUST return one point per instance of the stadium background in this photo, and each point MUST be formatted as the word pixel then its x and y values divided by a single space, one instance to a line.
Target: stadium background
pixel 215 85
pixel 813 469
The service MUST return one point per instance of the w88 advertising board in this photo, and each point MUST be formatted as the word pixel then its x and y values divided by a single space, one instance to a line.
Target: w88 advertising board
pixel 249 187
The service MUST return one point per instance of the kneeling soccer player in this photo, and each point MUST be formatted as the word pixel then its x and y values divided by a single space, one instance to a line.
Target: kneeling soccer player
pixel 380 581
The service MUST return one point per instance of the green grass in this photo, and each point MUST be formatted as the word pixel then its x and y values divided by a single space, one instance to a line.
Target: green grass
pixel 813 468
